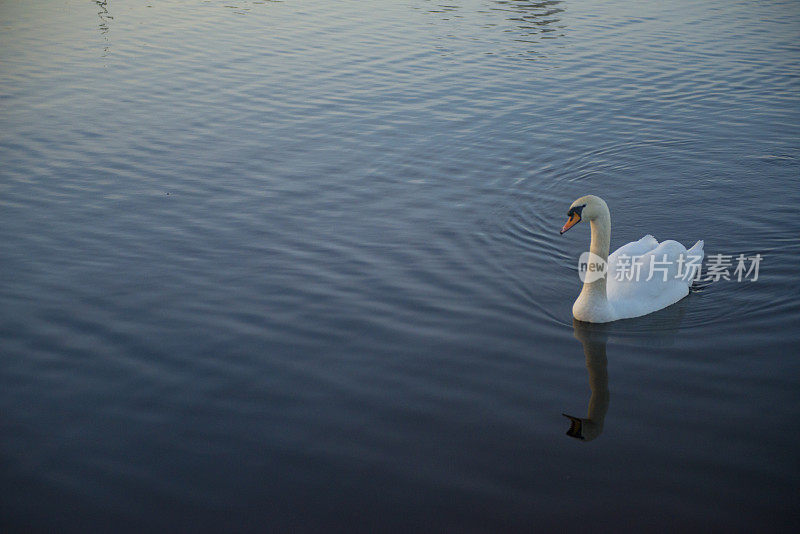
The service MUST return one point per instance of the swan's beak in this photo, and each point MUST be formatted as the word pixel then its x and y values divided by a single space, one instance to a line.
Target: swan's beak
pixel 572 221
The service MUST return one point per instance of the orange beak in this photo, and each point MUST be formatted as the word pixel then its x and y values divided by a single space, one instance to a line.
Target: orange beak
pixel 572 221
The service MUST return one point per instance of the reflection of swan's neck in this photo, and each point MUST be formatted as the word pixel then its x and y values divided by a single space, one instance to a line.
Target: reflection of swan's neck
pixel 594 347
pixel 597 364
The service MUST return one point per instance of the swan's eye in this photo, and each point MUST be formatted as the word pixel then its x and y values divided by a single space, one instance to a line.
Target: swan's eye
pixel 576 211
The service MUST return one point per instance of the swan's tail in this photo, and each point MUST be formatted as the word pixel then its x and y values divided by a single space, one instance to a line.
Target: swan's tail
pixel 697 248
pixel 694 258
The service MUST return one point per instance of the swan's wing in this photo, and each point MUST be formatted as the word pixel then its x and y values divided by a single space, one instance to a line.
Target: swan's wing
pixel 661 274
pixel 627 251
pixel 634 248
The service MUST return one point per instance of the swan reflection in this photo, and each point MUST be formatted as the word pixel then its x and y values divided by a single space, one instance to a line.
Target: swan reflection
pixel 594 337
pixel 522 27
pixel 533 18
pixel 104 17
pixel 656 330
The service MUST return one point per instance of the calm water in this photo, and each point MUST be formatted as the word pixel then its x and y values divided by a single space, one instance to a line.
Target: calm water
pixel 273 264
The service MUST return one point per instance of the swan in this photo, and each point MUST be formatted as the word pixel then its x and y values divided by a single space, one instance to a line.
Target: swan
pixel 638 278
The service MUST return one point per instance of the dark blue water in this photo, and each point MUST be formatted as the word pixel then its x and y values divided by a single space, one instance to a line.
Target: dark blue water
pixel 272 265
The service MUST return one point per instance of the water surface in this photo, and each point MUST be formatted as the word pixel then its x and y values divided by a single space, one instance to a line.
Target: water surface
pixel 297 264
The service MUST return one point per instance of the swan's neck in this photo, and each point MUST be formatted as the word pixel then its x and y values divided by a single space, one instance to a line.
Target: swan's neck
pixel 592 304
pixel 601 239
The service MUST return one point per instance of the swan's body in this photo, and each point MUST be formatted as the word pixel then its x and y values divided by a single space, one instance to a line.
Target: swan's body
pixel 623 294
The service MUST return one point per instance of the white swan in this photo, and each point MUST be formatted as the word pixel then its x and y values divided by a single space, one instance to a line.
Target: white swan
pixel 641 277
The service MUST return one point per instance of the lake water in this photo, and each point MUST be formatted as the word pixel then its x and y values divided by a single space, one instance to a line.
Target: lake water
pixel 297 264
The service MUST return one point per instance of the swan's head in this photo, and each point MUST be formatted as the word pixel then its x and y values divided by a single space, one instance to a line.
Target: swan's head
pixel 588 208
